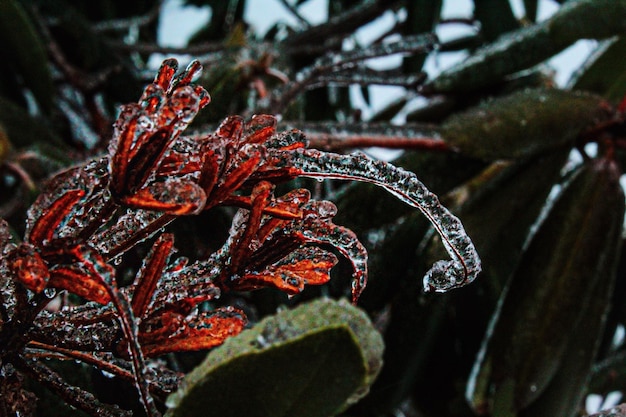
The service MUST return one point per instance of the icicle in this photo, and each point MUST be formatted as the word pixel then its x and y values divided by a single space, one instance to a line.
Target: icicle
pixel 444 275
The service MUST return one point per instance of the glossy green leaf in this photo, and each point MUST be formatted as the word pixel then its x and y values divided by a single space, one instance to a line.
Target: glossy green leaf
pixel 25 49
pixel 565 394
pixel 526 47
pixel 523 123
pixel 604 73
pixel 549 292
pixel 313 360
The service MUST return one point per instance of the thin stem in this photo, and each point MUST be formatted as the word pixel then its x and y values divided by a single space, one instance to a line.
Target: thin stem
pixel 103 365
pixel 347 60
pixel 444 275
pixel 329 142
pixel 72 395
pixel 345 23
pixel 294 11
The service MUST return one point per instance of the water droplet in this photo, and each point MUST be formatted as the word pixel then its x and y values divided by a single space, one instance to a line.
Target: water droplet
pixel 107 374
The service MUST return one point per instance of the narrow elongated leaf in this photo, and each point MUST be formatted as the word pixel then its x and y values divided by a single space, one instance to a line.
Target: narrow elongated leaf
pixel 548 292
pixel 523 123
pixel 309 361
pixel 526 47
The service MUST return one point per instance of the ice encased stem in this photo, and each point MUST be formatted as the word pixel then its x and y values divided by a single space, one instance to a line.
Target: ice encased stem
pixel 464 265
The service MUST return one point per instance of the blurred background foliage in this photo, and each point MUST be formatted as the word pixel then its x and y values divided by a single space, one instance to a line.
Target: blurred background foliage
pixel 533 170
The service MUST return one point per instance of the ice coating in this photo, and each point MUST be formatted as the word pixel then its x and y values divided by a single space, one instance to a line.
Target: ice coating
pixel 319 229
pixel 444 275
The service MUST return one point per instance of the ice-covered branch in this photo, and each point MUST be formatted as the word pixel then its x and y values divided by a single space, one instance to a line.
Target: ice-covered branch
pixel 444 275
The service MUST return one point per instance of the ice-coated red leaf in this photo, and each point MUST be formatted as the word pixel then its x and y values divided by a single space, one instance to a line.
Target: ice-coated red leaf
pixel 79 281
pixel 203 331
pixel 234 178
pixel 29 268
pixel 308 265
pixel 150 273
pixel 144 157
pixel 259 129
pixel 166 72
pixel 230 129
pixel 174 196
pixel 44 228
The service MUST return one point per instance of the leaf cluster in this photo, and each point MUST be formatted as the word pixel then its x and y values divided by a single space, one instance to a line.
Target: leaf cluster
pixel 532 170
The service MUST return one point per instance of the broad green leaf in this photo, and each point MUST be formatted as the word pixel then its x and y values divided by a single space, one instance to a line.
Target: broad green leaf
pixel 526 47
pixel 567 390
pixel 24 47
pixel 604 73
pixel 523 123
pixel 549 292
pixel 312 361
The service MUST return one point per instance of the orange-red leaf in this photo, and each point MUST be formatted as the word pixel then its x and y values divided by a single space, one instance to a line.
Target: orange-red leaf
pixel 176 197
pixel 204 331
pixel 150 274
pixel 29 268
pixel 44 228
pixel 80 282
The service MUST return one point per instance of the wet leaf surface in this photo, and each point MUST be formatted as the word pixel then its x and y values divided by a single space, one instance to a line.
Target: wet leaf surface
pixel 549 292
pixel 604 72
pixel 526 47
pixel 309 361
pixel 523 123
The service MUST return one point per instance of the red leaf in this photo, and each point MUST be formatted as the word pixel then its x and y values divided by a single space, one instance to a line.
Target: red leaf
pixel 175 196
pixel 150 273
pixel 80 282
pixel 200 332
pixel 44 228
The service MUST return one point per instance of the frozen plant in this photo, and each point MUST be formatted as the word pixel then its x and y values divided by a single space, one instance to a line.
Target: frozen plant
pixel 91 214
